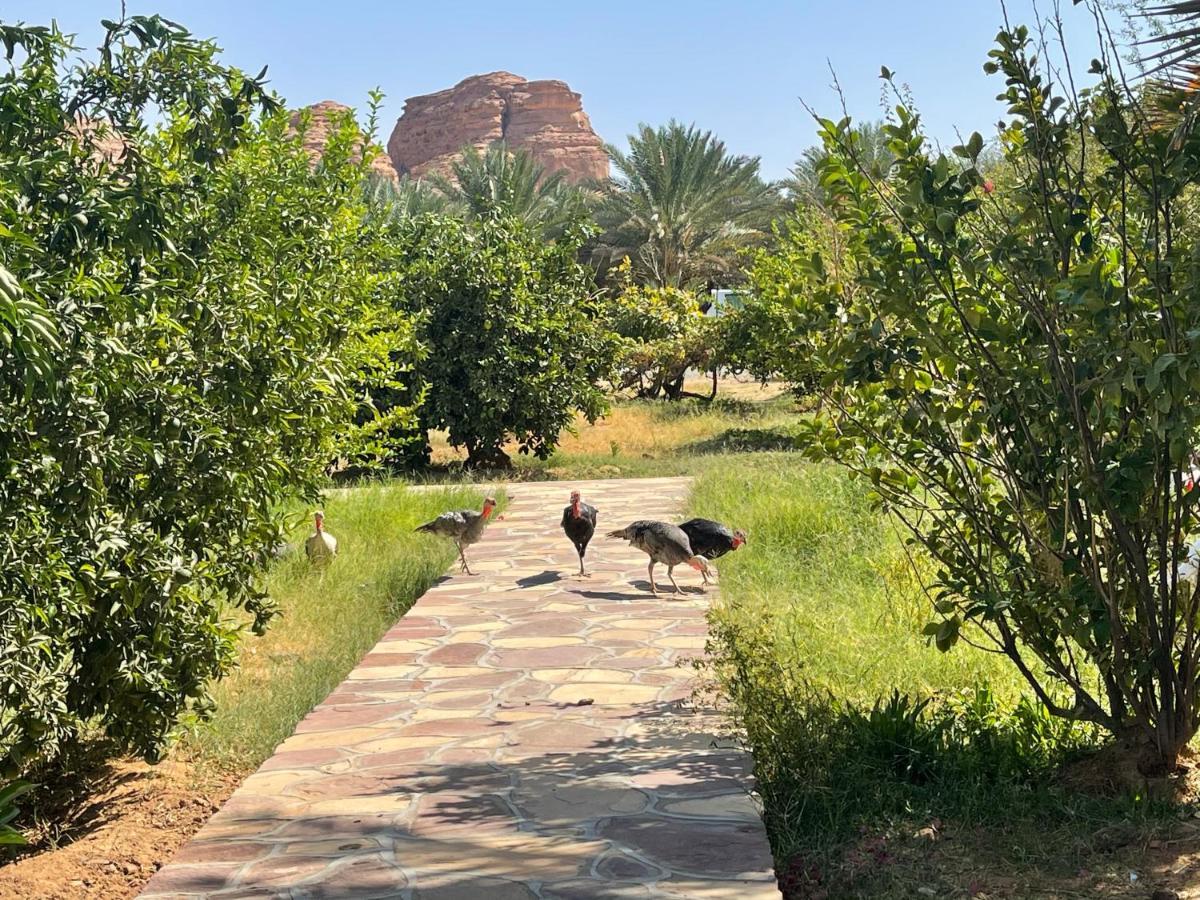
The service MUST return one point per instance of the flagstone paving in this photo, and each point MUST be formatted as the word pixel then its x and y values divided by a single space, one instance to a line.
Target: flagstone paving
pixel 522 733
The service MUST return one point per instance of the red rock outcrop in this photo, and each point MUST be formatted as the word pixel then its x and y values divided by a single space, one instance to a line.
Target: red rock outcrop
pixel 319 128
pixel 546 118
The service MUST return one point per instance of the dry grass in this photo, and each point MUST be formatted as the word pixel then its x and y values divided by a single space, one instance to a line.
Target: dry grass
pixel 645 438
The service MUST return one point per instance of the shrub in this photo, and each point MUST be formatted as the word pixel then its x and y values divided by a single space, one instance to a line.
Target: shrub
pixel 664 335
pixel 176 302
pixel 508 323
pixel 9 810
pixel 1015 373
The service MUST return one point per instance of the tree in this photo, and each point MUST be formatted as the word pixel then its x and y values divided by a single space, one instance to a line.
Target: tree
pixel 1015 374
pixel 510 328
pixel 664 335
pixel 406 198
pixel 175 302
pixel 681 207
pixel 804 187
pixel 514 184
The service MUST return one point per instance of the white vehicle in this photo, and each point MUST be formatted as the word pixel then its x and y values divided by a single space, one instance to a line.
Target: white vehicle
pixel 723 300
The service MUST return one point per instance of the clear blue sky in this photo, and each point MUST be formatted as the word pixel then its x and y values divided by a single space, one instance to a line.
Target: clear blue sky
pixel 734 68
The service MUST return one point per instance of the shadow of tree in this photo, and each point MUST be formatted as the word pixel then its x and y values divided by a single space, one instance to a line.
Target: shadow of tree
pixel 744 440
pixel 659 812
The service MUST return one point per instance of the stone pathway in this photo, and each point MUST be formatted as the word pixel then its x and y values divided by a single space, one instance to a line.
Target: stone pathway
pixel 519 734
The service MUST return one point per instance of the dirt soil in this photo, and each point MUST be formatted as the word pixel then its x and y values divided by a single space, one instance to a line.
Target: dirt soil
pixel 108 847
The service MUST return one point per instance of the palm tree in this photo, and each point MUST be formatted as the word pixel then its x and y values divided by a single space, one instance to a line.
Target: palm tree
pixel 514 184
pixel 406 198
pixel 681 207
pixel 1177 30
pixel 871 148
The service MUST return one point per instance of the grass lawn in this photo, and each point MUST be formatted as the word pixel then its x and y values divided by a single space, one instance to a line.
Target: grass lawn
pixel 820 618
pixel 653 438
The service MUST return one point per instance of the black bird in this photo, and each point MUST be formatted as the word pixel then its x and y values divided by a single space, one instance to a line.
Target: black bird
pixel 712 539
pixel 579 524
pixel 663 543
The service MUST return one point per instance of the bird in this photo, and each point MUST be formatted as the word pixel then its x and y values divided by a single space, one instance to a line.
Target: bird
pixel 321 546
pixel 579 524
pixel 463 526
pixel 712 539
pixel 663 543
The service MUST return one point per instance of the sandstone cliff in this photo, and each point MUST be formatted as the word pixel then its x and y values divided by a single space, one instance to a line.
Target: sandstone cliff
pixel 324 115
pixel 545 118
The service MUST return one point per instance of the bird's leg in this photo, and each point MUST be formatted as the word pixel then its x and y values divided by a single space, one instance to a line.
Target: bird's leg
pixel 650 572
pixel 463 558
pixel 671 575
pixel 582 573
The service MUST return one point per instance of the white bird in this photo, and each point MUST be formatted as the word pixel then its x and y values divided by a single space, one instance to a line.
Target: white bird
pixel 321 546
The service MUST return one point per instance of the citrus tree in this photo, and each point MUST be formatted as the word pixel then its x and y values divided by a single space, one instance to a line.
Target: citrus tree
pixel 1014 369
pixel 509 326
pixel 664 334
pixel 174 305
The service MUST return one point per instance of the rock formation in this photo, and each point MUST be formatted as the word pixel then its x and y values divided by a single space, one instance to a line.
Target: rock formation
pixel 544 118
pixel 319 128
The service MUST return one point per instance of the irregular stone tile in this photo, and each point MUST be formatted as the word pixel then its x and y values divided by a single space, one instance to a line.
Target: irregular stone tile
pixel 346 737
pixel 221 851
pixel 391 804
pixel 456 654
pixel 596 889
pixel 350 827
pixel 475 888
pixel 605 693
pixel 622 867
pixel 282 871
pixel 564 735
pixel 726 806
pixel 190 879
pixel 698 848
pixel 515 735
pixel 564 801
pixel 365 878
pixel 545 657
pixel 338 848
pixel 301 759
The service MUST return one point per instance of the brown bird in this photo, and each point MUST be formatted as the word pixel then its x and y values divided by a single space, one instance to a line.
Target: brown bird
pixel 321 546
pixel 579 524
pixel 663 543
pixel 463 526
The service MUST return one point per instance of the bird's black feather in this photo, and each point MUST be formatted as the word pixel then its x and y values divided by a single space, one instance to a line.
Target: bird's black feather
pixel 708 538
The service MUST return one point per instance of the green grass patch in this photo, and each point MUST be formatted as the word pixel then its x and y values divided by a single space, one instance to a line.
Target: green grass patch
pixel 329 617
pixel 869 743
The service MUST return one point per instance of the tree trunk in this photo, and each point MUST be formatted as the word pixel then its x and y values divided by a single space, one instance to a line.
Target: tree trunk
pixel 487 456
pixel 713 395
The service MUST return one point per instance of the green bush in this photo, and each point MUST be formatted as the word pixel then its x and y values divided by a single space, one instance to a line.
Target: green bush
pixel 664 335
pixel 509 327
pixel 1014 369
pixel 9 795
pixel 176 305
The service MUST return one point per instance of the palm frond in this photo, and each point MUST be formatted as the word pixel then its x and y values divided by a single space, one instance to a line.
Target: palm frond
pixel 1178 36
